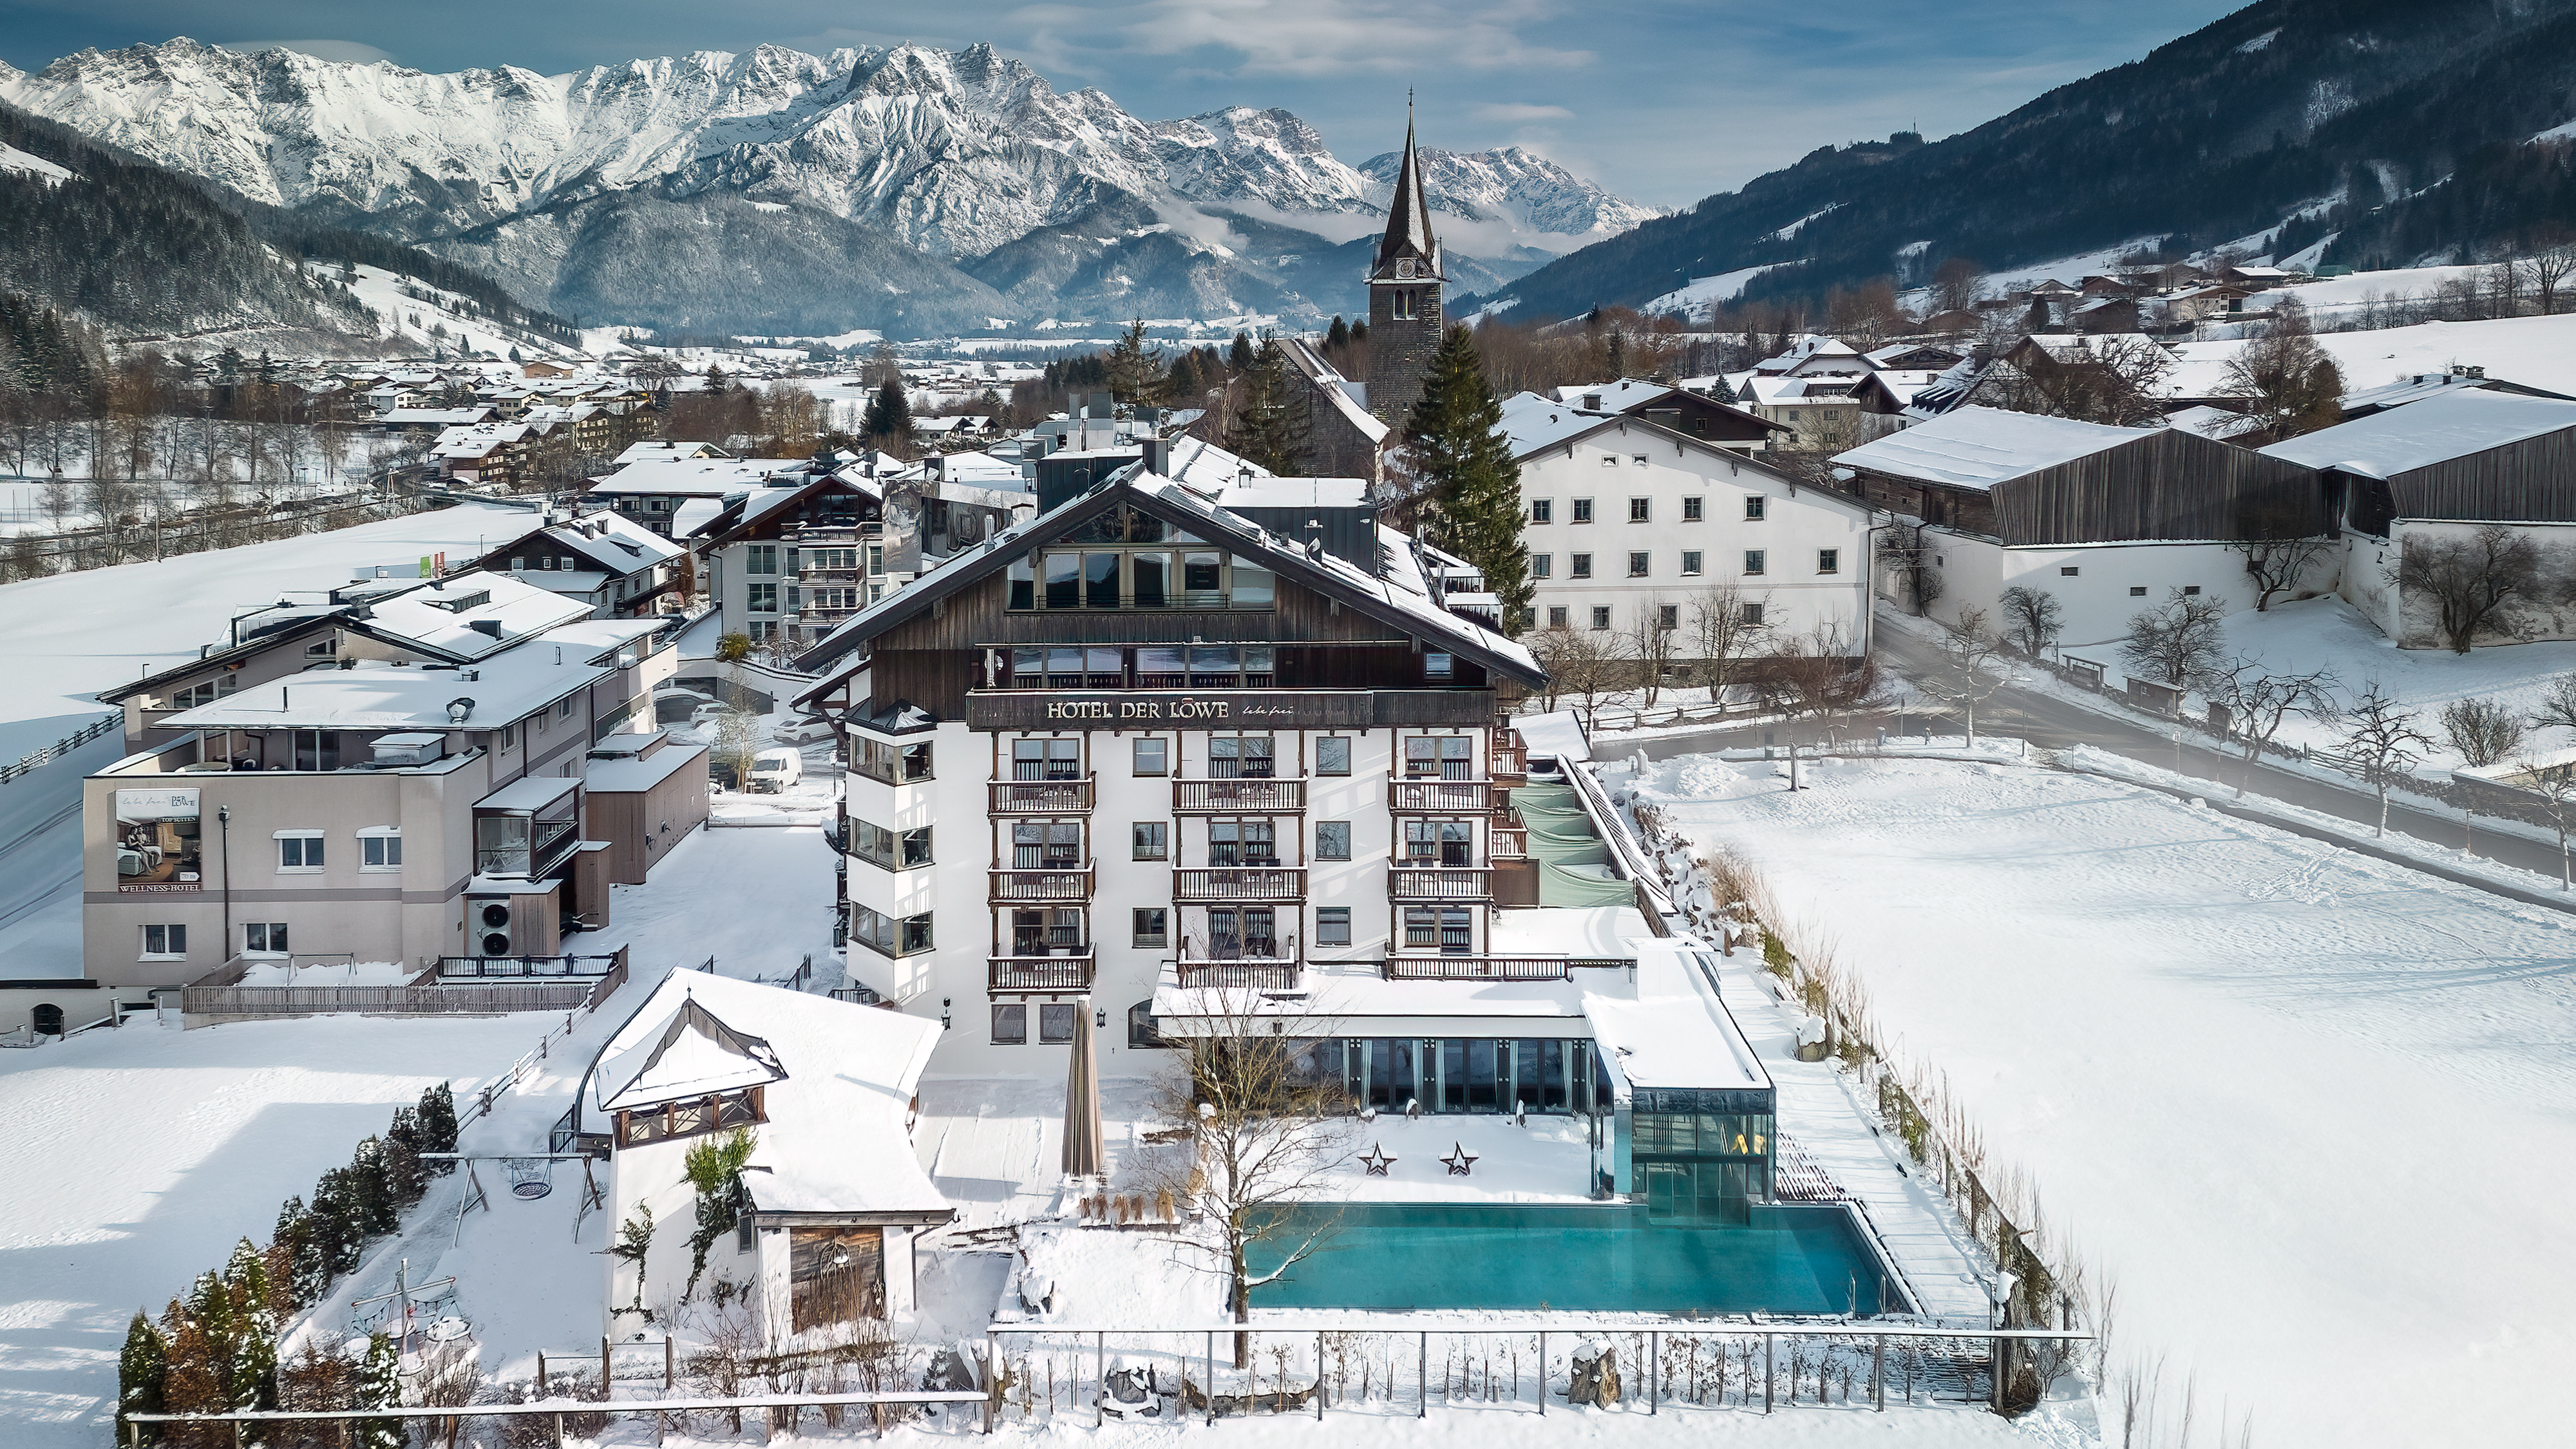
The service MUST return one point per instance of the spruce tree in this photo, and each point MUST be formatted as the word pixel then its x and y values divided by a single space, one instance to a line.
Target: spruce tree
pixel 403 1167
pixel 1262 432
pixel 717 381
pixel 1239 356
pixel 139 1373
pixel 889 415
pixel 338 1236
pixel 438 1124
pixel 1359 331
pixel 380 1387
pixel 1135 366
pixel 253 1382
pixel 1337 336
pixel 1472 483
pixel 373 1190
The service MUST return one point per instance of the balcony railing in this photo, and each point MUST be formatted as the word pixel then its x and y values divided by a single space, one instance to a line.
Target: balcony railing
pixel 1039 973
pixel 1510 760
pixel 1510 842
pixel 1043 885
pixel 1252 973
pixel 1440 883
pixel 1043 797
pixel 1439 797
pixel 1239 883
pixel 1194 797
pixel 1475 968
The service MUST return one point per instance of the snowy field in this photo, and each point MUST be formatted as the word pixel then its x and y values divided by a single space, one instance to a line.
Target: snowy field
pixel 2305 1108
pixel 2327 633
pixel 143 1154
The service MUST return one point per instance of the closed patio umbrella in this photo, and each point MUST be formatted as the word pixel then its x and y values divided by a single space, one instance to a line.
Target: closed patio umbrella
pixel 1082 1102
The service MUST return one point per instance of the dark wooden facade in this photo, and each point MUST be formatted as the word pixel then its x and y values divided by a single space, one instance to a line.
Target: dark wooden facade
pixel 2169 486
pixel 1707 419
pixel 2530 481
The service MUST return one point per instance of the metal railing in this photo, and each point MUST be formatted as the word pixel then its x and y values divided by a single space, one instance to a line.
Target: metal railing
pixel 1439 797
pixel 1192 797
pixel 1039 973
pixel 1239 883
pixel 1475 968
pixel 1043 797
pixel 1440 883
pixel 1357 1365
pixel 1197 966
pixel 471 968
pixel 1059 884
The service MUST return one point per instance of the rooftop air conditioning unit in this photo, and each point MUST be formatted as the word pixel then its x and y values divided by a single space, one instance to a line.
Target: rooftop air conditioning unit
pixel 487 922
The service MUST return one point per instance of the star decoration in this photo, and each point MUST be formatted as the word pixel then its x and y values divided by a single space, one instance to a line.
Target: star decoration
pixel 1376 1161
pixel 1459 1159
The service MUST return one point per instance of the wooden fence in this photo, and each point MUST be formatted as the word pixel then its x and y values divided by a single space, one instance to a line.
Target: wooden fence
pixel 213 996
pixel 38 759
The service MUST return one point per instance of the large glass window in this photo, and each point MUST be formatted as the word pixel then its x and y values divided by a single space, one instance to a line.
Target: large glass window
pixel 1243 842
pixel 1332 840
pixel 1247 758
pixel 890 935
pixel 1153 755
pixel 1059 759
pixel 1046 845
pixel 1201 580
pixel 1439 842
pixel 1151 574
pixel 1333 755
pixel 892 764
pixel 1064 580
pixel 891 849
pixel 1449 757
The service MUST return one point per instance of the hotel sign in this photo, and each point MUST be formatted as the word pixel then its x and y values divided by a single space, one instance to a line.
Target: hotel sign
pixel 1348 709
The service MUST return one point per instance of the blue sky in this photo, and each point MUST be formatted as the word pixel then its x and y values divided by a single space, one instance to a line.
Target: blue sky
pixel 1662 101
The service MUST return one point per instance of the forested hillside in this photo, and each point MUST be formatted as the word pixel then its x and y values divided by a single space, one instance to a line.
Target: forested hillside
pixel 2403 129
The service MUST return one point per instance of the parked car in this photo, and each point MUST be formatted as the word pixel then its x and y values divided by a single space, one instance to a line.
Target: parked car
pixel 775 770
pixel 671 706
pixel 802 732
pixel 708 716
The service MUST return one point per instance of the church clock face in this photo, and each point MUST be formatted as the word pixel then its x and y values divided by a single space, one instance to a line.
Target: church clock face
pixel 1404 269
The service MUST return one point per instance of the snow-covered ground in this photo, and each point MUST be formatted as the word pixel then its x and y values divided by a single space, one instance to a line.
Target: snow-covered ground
pixel 2327 633
pixel 144 1154
pixel 2303 1107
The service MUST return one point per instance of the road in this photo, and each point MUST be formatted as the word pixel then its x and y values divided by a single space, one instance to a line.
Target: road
pixel 2055 724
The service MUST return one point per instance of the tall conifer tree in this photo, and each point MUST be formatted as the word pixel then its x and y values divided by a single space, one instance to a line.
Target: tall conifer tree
pixel 1473 487
pixel 139 1372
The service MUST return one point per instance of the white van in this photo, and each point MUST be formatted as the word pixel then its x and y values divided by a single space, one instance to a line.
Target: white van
pixel 775 770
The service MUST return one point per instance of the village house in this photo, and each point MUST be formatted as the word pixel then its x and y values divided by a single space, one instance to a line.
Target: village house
pixel 617 567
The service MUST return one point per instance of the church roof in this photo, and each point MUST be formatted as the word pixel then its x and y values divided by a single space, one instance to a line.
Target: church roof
pixel 1408 214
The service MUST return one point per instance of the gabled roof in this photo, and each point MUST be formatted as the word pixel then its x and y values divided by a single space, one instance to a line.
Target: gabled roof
pixel 1382 599
pixel 695 1055
pixel 734 516
pixel 2421 434
pixel 616 543
pixel 216 659
pixel 1979 447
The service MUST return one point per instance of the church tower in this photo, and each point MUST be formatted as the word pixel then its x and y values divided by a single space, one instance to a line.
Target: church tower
pixel 1404 283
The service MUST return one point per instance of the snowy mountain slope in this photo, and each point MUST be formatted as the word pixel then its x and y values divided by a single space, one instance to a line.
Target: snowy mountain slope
pixel 950 156
pixel 1513 185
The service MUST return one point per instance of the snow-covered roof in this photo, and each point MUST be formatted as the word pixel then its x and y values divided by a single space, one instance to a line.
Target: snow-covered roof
pixel 2210 422
pixel 629 776
pixel 1676 1041
pixel 530 793
pixel 1800 391
pixel 2432 431
pixel 1593 933
pixel 1612 397
pixel 427 616
pixel 503 691
pixel 1559 734
pixel 837 1082
pixel 656 450
pixel 694 514
pixel 2413 389
pixel 1533 423
pixel 603 537
pixel 1268 492
pixel 1978 447
pixel 702 477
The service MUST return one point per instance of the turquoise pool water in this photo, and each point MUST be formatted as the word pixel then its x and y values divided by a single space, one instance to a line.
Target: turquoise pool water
pixel 1600 1259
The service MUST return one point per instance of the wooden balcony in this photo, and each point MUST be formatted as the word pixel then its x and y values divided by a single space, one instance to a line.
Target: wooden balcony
pixel 1027 886
pixel 1439 797
pixel 1228 797
pixel 1039 973
pixel 1440 883
pixel 1239 883
pixel 1043 797
pixel 1475 968
pixel 1509 842
pixel 1510 762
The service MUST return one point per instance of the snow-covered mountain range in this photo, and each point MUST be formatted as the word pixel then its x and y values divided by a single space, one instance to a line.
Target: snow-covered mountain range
pixel 872 186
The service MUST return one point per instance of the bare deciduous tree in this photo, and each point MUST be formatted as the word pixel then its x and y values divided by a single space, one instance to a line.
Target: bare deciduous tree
pixel 2558 706
pixel 1820 675
pixel 2287 381
pixel 1969 646
pixel 2259 703
pixel 2176 639
pixel 1725 627
pixel 1267 1130
pixel 2546 275
pixel 1583 663
pixel 2469 580
pixel 2382 742
pixel 1651 642
pixel 2032 618
pixel 2482 730
pixel 2555 785
pixel 1916 567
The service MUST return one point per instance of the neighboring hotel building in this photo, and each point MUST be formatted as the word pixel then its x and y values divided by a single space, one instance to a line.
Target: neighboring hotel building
pixel 1628 516
pixel 399 777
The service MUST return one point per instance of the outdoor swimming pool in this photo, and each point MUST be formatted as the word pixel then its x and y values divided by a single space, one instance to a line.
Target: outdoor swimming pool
pixel 1794 1260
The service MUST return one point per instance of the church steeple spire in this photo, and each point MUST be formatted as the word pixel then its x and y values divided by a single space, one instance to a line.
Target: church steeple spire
pixel 1408 218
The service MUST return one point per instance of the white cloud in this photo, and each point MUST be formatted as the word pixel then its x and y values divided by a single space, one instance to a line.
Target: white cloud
pixel 1317 38
pixel 1515 111
pixel 351 51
